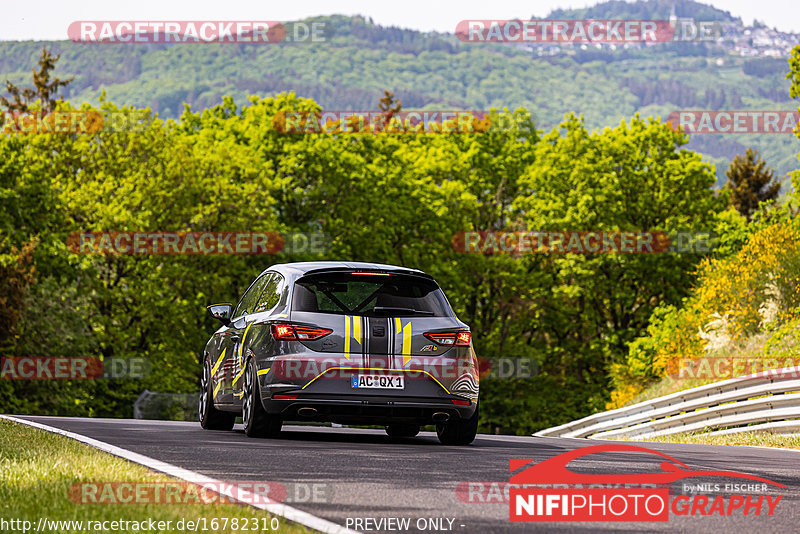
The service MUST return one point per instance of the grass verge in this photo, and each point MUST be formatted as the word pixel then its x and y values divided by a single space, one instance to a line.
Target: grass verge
pixel 38 469
pixel 753 439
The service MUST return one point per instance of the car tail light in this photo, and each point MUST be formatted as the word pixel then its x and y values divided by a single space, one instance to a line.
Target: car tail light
pixel 372 274
pixel 284 396
pixel 460 338
pixel 461 402
pixel 288 331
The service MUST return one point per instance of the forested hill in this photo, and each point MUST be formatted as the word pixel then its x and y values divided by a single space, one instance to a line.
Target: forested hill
pixel 436 71
pixel 654 9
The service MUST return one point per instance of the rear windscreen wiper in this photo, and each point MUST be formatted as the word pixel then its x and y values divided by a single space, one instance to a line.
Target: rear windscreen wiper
pixel 392 309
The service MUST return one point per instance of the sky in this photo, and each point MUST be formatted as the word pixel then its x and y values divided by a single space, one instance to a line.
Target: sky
pixel 49 19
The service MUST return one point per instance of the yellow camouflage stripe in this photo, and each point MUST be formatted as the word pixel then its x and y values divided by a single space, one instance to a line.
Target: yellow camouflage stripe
pixel 406 332
pixel 351 332
pixel 219 361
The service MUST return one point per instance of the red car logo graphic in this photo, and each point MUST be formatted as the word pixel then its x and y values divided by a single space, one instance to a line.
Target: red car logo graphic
pixel 554 470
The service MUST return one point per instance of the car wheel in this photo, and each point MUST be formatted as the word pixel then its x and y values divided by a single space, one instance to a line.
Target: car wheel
pixel 211 418
pixel 257 422
pixel 402 431
pixel 458 432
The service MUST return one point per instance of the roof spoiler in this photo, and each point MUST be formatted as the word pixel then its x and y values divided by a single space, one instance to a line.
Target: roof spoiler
pixel 405 272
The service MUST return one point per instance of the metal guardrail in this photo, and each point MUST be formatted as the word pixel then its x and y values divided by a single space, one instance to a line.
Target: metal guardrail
pixel 166 406
pixel 729 406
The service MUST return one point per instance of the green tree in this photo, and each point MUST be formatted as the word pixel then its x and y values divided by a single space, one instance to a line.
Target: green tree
pixel 16 275
pixel 378 197
pixel 389 105
pixel 44 89
pixel 633 178
pixel 750 182
pixel 794 92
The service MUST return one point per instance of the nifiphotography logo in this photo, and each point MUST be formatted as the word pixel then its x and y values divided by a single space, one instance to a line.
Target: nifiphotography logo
pixel 573 496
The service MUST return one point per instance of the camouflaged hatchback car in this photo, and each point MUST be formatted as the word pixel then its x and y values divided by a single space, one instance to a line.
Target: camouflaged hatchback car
pixel 350 343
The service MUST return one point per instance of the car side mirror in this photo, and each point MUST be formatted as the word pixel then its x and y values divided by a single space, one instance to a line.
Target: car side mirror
pixel 221 312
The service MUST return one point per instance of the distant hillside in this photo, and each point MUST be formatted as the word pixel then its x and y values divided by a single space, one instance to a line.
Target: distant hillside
pixel 649 10
pixel 435 71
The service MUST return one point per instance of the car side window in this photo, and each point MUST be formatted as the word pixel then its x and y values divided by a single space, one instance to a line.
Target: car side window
pixel 271 294
pixel 248 302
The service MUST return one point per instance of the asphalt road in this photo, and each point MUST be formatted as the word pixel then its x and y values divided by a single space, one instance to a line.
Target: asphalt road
pixel 364 474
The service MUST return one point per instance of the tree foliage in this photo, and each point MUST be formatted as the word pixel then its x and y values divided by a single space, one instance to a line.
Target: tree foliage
pixel 750 182
pixel 378 197
pixel 44 88
pixel 385 198
pixel 746 301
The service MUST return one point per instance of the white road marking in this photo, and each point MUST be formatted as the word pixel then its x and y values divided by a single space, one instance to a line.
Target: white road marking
pixel 283 510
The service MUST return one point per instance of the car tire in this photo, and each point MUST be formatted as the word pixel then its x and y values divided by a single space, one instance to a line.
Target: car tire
pixel 211 418
pixel 458 432
pixel 257 422
pixel 402 430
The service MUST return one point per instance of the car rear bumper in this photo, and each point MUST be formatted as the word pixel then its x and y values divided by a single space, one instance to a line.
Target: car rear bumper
pixel 362 409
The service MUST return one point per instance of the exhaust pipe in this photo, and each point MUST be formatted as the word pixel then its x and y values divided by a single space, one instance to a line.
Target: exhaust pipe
pixel 307 411
pixel 441 417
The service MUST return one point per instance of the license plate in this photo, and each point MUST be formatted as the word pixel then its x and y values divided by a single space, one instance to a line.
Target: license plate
pixel 378 382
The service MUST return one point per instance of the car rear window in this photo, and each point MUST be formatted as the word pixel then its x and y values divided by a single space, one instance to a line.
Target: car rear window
pixel 370 295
